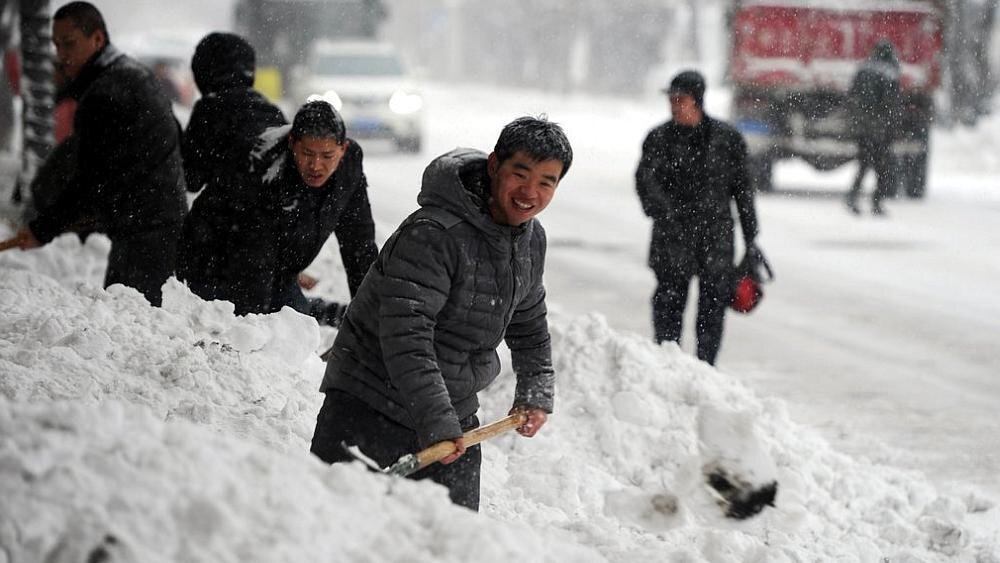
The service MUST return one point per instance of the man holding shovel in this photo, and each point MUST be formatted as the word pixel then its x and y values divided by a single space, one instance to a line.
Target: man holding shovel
pixel 460 274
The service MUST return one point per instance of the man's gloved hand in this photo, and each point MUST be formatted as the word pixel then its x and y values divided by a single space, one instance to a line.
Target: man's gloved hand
pixel 329 313
pixel 756 264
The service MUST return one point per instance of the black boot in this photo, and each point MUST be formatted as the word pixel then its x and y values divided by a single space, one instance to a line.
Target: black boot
pixel 852 203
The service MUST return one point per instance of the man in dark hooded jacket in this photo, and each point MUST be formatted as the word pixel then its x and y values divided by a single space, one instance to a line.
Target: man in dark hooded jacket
pixel 875 108
pixel 461 274
pixel 692 168
pixel 224 126
pixel 305 182
pixel 128 164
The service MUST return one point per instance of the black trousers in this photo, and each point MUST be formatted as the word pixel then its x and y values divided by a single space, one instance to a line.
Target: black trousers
pixel 675 267
pixel 875 155
pixel 144 261
pixel 345 421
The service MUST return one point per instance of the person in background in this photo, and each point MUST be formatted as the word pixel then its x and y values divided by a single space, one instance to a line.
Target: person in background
pixel 875 108
pixel 459 275
pixel 691 169
pixel 224 126
pixel 128 165
pixel 305 181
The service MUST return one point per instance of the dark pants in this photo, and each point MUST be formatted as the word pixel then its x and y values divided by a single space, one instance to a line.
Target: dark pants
pixel 345 420
pixel 144 261
pixel 675 265
pixel 874 154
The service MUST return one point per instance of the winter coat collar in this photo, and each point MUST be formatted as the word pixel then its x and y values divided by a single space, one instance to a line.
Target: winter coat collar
pixel 97 64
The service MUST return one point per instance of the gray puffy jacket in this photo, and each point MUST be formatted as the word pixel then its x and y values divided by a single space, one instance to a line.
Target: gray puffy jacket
pixel 420 336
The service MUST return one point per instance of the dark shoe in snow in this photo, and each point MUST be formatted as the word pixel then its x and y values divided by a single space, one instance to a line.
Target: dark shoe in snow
pixel 879 211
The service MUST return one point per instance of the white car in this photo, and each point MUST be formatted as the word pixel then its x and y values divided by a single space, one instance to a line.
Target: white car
pixel 369 85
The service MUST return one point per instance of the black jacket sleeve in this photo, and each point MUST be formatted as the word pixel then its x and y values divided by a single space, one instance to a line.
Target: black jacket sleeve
pixel 355 233
pixel 651 179
pixel 530 344
pixel 418 267
pixel 742 191
pixel 194 149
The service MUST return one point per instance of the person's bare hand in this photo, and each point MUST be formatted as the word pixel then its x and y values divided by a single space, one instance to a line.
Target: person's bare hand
pixel 459 450
pixel 306 281
pixel 536 419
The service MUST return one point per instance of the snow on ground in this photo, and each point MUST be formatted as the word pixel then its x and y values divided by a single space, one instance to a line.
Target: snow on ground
pixel 181 433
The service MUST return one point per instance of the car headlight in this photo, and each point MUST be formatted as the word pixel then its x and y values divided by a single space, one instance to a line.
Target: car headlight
pixel 329 97
pixel 405 103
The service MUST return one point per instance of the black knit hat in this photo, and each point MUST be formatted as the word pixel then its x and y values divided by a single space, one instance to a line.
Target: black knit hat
pixel 221 61
pixel 689 82
pixel 318 119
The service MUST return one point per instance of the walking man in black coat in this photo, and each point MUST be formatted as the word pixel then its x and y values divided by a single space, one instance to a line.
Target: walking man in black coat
pixel 128 165
pixel 460 275
pixel 305 182
pixel 692 168
pixel 875 107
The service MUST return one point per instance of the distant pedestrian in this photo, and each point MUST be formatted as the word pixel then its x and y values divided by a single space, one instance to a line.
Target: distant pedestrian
pixel 460 275
pixel 692 168
pixel 127 164
pixel 875 110
pixel 305 182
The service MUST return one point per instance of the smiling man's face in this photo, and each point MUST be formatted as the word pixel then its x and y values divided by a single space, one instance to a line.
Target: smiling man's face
pixel 521 187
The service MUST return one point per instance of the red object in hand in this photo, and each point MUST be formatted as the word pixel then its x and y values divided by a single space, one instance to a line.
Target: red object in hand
pixel 747 295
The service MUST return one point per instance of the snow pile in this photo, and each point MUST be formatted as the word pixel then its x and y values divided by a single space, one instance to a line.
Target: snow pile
pixel 182 433
pixel 91 345
pixel 624 453
pixel 112 482
pixel 64 259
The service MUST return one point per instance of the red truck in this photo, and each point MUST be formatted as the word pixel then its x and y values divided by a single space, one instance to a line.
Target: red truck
pixel 791 64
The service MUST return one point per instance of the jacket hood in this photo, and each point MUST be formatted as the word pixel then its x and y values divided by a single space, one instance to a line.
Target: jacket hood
pixel 453 182
pixel 223 61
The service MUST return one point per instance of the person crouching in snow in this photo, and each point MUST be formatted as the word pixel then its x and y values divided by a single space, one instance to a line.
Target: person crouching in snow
pixel 459 275
pixel 306 183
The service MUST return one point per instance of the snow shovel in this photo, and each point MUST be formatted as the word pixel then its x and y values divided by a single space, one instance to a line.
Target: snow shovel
pixel 411 463
pixel 9 243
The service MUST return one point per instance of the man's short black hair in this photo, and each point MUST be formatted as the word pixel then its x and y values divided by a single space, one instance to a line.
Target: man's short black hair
pixel 85 16
pixel 538 137
pixel 689 83
pixel 318 119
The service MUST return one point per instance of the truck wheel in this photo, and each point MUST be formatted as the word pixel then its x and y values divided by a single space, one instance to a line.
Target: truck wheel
pixel 759 172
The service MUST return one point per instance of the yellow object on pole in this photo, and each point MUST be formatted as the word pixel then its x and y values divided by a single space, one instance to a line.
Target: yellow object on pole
pixel 268 83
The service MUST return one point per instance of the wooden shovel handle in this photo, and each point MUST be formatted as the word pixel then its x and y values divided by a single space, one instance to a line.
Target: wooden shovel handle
pixel 9 243
pixel 440 450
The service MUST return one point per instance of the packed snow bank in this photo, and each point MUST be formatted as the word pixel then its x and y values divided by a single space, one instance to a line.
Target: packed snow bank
pixel 181 433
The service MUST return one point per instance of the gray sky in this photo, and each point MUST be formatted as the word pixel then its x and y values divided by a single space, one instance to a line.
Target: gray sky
pixel 131 16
